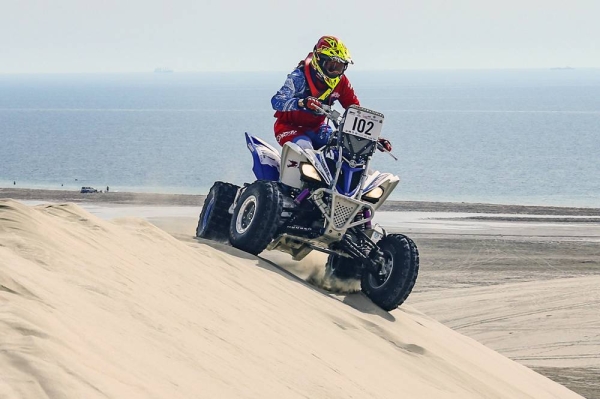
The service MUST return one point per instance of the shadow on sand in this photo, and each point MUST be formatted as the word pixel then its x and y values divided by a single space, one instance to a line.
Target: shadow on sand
pixel 356 300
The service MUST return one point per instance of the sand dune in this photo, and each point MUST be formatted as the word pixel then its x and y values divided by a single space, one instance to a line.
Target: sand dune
pixel 121 309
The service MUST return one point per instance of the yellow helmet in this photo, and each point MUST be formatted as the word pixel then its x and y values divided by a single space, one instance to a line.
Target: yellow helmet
pixel 330 59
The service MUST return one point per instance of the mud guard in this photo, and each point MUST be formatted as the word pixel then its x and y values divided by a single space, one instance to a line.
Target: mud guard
pixel 266 159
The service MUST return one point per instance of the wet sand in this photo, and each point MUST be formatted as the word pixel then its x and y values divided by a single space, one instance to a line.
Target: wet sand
pixel 126 198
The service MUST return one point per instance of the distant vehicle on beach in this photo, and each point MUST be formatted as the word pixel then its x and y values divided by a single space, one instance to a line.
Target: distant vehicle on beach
pixel 86 190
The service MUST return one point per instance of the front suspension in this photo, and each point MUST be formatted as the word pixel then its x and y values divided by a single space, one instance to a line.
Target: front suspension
pixel 373 261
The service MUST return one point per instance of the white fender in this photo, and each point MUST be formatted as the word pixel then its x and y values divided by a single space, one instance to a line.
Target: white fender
pixel 386 181
pixel 291 157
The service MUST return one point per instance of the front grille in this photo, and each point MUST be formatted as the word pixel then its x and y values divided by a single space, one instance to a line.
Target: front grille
pixel 343 211
pixel 340 211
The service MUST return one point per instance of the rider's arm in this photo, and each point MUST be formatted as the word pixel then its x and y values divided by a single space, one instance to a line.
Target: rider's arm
pixel 347 95
pixel 286 98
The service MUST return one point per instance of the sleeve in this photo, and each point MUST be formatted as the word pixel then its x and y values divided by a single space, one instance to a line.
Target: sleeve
pixel 286 98
pixel 347 95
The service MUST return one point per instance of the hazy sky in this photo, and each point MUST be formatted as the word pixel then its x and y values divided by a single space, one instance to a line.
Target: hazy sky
pixel 254 35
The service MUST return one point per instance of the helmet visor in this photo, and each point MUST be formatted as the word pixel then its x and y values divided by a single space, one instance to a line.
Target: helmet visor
pixel 334 68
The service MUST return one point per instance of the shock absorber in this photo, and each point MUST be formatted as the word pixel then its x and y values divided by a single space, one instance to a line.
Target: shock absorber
pixel 302 196
pixel 367 215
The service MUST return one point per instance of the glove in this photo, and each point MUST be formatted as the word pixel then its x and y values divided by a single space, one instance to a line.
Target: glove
pixel 384 145
pixel 310 103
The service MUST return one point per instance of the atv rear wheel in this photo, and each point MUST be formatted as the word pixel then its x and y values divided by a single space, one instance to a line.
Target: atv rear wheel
pixel 215 217
pixel 390 288
pixel 256 216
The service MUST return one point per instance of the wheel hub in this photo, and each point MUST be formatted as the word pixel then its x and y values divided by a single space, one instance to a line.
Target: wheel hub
pixel 246 214
pixel 386 263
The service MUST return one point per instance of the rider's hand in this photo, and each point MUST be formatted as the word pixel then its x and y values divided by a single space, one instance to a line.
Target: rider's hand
pixel 310 103
pixel 384 145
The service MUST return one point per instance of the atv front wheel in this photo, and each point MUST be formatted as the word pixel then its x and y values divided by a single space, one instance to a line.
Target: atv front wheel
pixel 215 217
pixel 256 217
pixel 392 285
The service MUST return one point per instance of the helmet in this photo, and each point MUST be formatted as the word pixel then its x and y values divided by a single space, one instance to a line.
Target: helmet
pixel 330 58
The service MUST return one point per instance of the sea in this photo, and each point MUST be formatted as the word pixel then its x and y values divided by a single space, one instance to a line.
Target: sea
pixel 528 137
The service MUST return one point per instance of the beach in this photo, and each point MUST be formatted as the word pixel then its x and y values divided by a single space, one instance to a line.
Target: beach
pixel 131 198
pixel 522 280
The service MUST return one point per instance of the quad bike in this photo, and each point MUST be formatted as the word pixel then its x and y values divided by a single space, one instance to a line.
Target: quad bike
pixel 322 200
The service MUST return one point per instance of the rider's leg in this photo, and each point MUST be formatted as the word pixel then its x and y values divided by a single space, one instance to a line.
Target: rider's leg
pixel 285 132
pixel 310 138
pixel 321 136
pixel 303 142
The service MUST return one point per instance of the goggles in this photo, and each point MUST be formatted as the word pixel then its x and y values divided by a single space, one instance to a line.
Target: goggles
pixel 334 68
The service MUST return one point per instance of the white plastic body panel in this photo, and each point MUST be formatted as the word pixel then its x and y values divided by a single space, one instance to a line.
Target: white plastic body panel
pixel 291 157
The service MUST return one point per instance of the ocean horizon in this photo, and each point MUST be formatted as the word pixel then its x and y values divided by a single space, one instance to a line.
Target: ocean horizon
pixel 527 137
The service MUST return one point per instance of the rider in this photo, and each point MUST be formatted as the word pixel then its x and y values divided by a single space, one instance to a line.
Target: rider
pixel 319 79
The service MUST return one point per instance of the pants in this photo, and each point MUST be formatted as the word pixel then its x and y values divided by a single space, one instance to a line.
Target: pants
pixel 318 136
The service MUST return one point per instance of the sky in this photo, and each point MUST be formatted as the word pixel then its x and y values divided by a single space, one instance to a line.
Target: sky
pixel 110 36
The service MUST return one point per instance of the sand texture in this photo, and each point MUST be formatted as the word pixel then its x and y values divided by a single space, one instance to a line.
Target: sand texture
pixel 137 307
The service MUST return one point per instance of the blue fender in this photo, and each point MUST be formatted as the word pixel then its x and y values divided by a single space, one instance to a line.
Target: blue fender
pixel 267 159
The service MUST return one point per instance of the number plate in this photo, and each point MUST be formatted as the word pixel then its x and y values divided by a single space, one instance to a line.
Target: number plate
pixel 363 123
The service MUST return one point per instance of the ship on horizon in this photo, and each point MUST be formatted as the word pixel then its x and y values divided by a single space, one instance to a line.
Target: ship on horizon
pixel 163 70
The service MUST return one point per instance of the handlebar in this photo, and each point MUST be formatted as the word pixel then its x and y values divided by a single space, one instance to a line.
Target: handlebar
pixel 333 115
pixel 380 147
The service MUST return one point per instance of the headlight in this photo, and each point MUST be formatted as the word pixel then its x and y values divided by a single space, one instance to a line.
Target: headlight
pixel 373 195
pixel 309 172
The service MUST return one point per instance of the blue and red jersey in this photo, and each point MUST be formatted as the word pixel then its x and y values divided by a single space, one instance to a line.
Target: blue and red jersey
pixel 293 121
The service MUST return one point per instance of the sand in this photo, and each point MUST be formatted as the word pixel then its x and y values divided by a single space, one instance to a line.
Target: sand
pixel 93 306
